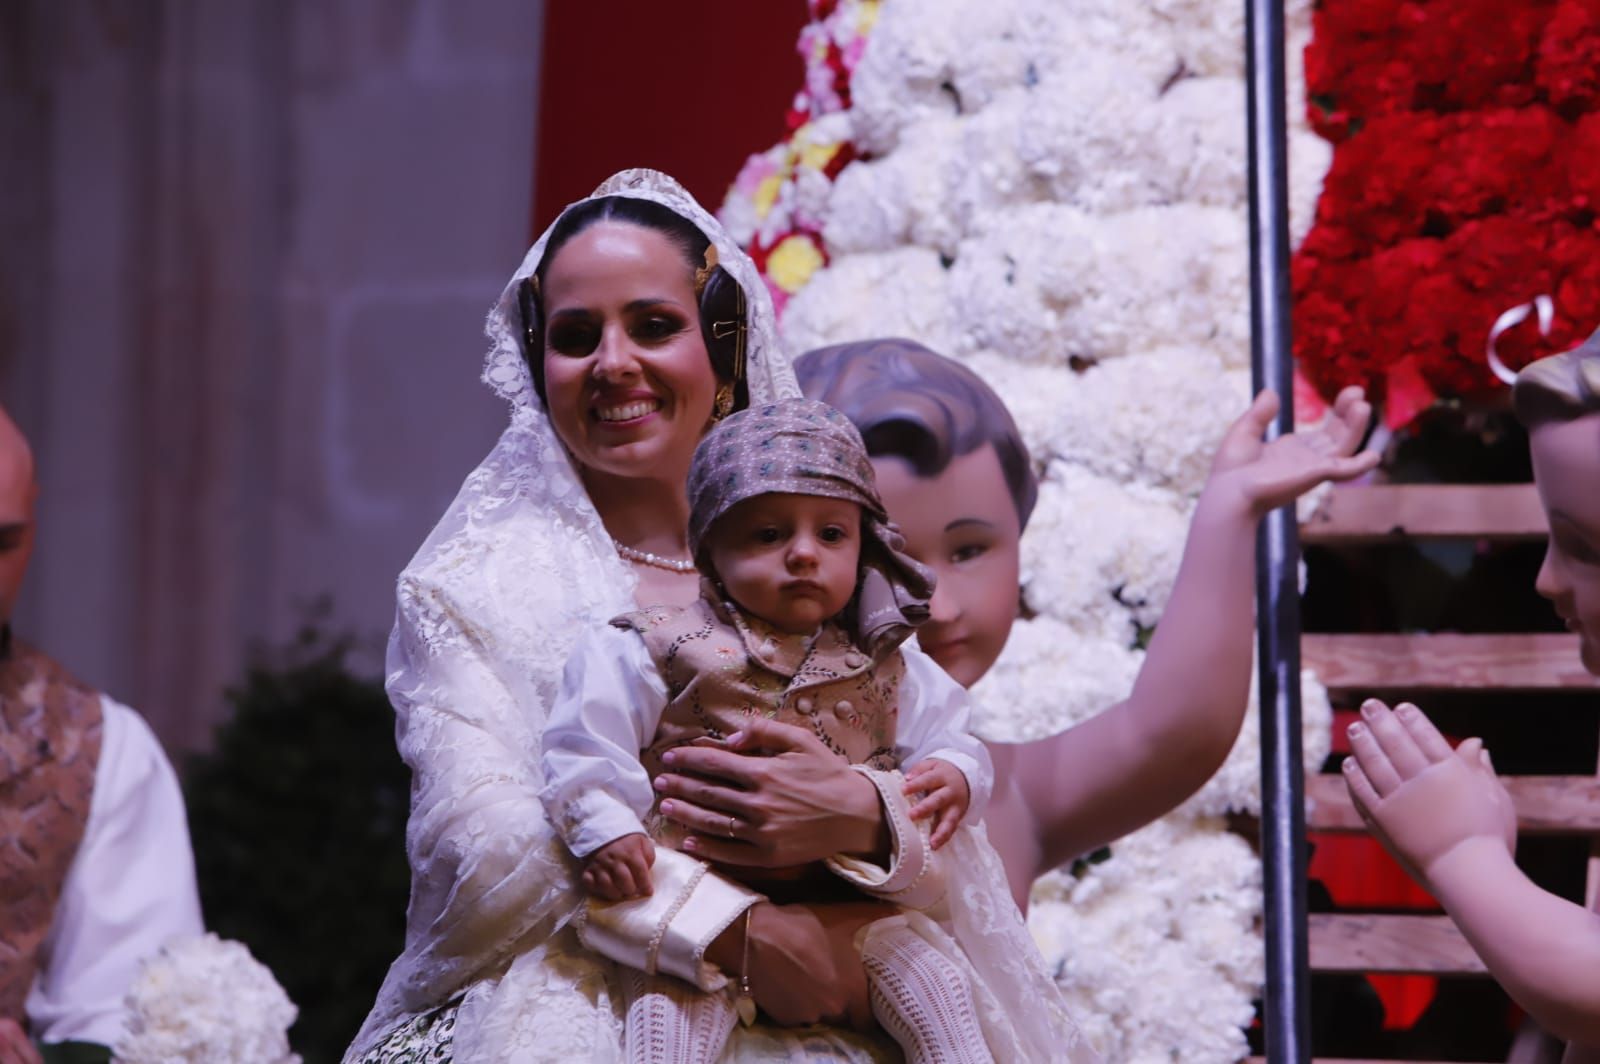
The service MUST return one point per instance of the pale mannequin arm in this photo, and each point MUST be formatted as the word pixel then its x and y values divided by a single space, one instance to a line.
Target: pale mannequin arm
pixel 1073 792
pixel 1447 818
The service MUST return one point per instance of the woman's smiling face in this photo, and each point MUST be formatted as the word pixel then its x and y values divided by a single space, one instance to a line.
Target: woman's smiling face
pixel 628 382
pixel 962 524
pixel 1566 467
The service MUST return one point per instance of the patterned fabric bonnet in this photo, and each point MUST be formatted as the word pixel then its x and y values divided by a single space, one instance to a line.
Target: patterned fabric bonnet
pixel 803 447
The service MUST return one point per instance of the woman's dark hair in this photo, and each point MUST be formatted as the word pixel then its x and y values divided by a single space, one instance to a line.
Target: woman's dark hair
pixel 721 300
pixel 915 404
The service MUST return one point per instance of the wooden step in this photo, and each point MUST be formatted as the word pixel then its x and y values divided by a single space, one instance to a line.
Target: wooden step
pixel 1546 805
pixel 1444 661
pixel 1402 945
pixel 1366 514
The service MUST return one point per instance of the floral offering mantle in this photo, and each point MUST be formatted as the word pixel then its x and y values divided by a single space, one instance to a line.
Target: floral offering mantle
pixel 1054 194
pixel 1457 190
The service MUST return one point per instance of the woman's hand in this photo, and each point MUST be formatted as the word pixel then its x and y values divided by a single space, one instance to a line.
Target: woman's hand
pixel 804 965
pixel 1272 474
pixel 771 796
pixel 1422 799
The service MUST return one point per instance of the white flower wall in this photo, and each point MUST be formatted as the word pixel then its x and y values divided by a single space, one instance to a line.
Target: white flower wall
pixel 1055 194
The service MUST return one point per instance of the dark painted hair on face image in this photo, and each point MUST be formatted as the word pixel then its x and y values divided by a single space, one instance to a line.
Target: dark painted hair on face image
pixel 1559 388
pixel 912 403
pixel 720 300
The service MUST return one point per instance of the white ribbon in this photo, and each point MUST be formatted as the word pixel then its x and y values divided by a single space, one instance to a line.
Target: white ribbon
pixel 1516 316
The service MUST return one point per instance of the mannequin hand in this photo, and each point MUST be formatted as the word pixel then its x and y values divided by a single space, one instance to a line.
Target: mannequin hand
pixel 15 1046
pixel 1270 475
pixel 620 869
pixel 792 800
pixel 804 965
pixel 1420 798
pixel 945 797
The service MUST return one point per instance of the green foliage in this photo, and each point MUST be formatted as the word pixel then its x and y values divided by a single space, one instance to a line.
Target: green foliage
pixel 74 1053
pixel 298 820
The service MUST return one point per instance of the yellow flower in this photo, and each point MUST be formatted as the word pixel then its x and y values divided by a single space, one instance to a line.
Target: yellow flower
pixel 817 156
pixel 767 194
pixel 866 17
pixel 792 262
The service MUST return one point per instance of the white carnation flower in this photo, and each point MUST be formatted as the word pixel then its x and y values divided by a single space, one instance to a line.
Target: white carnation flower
pixel 1049 677
pixel 1200 136
pixel 903 73
pixel 1104 555
pixel 1091 137
pixel 1309 159
pixel 1051 283
pixel 1156 947
pixel 1151 418
pixel 1207 35
pixel 204 1000
pixel 857 297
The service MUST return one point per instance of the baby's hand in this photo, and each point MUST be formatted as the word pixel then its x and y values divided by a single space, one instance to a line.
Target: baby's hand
pixel 620 869
pixel 944 792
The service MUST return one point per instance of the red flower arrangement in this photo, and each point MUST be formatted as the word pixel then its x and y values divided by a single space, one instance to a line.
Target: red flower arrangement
pixel 1465 180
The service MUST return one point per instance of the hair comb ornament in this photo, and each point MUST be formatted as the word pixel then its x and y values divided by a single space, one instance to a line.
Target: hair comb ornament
pixel 703 273
pixel 736 328
pixel 532 316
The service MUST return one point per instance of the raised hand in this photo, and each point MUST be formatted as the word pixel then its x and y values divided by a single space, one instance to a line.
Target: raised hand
pixel 1270 475
pixel 1420 798
pixel 620 869
pixel 944 795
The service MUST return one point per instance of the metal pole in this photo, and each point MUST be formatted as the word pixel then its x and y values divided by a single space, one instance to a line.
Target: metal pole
pixel 1277 554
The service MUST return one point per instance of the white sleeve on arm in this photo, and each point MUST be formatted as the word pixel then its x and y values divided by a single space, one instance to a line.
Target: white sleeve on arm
pixel 934 715
pixel 611 700
pixel 131 887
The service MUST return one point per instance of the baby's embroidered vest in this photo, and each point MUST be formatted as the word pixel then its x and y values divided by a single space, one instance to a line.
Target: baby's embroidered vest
pixel 721 666
pixel 49 749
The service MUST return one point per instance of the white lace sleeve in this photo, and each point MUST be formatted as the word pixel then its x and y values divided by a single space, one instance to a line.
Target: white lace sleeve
pixel 485 862
pixel 611 700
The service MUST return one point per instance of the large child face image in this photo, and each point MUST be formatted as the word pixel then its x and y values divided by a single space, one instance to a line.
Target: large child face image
pixel 1566 467
pixel 962 523
pixel 789 559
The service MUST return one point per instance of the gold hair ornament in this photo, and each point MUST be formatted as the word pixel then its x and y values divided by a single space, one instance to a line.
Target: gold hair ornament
pixel 703 273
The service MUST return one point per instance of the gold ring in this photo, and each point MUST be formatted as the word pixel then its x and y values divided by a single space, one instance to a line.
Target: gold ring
pixel 732 823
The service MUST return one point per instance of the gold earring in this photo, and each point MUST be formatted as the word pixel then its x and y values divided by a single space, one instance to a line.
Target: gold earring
pixel 723 404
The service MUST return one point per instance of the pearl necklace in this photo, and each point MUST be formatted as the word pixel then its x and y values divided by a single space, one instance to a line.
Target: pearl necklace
pixel 644 557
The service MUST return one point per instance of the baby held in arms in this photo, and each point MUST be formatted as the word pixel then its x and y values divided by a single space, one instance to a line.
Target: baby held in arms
pixel 806 597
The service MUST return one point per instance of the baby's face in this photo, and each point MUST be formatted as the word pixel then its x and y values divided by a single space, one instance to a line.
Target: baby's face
pixel 1566 466
pixel 789 559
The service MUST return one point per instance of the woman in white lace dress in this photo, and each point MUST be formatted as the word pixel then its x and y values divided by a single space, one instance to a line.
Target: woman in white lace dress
pixel 574 518
pixel 578 516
